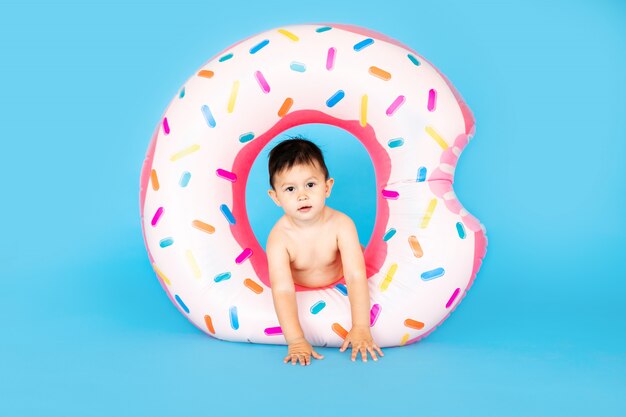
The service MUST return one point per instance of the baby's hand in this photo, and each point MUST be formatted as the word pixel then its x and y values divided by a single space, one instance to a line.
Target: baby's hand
pixel 301 350
pixel 361 340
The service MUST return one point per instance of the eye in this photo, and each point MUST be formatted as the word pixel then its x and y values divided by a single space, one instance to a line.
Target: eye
pixel 311 184
pixel 289 189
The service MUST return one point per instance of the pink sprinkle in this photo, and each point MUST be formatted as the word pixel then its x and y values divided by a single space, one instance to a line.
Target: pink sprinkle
pixel 451 300
pixel 374 313
pixel 247 252
pixel 166 126
pixel 227 175
pixel 393 195
pixel 262 82
pixel 432 99
pixel 273 331
pixel 157 216
pixel 330 59
pixel 394 106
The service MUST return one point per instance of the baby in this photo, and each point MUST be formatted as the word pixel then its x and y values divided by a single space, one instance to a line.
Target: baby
pixel 313 245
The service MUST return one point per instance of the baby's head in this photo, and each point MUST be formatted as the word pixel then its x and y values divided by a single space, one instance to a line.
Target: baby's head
pixel 299 178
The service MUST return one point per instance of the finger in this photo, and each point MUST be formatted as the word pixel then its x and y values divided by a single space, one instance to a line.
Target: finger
pixel 371 350
pixel 354 352
pixel 363 353
pixel 286 358
pixel 317 355
pixel 294 359
pixel 380 352
pixel 302 359
pixel 344 346
pixel 308 360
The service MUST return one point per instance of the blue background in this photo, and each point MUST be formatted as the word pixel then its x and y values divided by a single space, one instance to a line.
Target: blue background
pixel 88 331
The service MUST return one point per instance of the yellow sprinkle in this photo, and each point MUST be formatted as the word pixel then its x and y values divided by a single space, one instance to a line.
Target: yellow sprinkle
pixel 429 213
pixel 405 339
pixel 184 152
pixel 233 96
pixel 161 274
pixel 392 271
pixel 289 35
pixel 193 264
pixel 364 111
pixel 437 138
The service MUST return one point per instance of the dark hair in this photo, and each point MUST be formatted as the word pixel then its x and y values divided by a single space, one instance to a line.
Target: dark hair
pixel 294 151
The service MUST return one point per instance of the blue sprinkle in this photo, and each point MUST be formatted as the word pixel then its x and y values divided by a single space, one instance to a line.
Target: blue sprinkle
pixel 421 174
pixel 389 234
pixel 394 143
pixel 461 230
pixel 323 29
pixel 226 212
pixel 168 241
pixel 413 59
pixel 363 44
pixel 184 179
pixel 226 57
pixel 336 98
pixel 208 116
pixel 182 305
pixel 222 277
pixel 298 66
pixel 258 47
pixel 317 307
pixel 234 319
pixel 432 274
pixel 246 137
pixel 342 289
pixel 182 93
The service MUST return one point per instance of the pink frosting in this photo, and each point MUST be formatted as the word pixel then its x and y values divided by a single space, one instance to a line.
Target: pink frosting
pixel 376 251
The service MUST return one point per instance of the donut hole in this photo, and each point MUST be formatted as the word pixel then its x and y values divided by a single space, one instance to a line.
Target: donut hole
pixel 348 162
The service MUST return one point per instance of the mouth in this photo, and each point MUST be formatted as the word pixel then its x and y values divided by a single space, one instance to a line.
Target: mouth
pixel 304 208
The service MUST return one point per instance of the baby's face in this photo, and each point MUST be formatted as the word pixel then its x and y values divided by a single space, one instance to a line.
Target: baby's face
pixel 301 191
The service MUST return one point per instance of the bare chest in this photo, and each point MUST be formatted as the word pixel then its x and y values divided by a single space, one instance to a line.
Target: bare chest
pixel 315 260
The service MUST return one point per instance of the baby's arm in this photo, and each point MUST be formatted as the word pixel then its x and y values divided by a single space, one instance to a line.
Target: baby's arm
pixel 358 292
pixel 284 296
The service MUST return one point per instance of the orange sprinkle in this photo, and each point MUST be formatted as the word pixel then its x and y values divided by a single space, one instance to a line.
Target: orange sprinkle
pixel 414 324
pixel 206 74
pixel 416 247
pixel 380 73
pixel 155 180
pixel 285 107
pixel 253 286
pixel 341 332
pixel 203 226
pixel 209 323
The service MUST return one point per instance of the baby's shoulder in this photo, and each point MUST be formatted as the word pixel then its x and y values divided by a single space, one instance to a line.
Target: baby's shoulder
pixel 338 218
pixel 277 231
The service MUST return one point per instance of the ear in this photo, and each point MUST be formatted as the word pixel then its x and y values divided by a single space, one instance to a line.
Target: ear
pixel 329 186
pixel 272 195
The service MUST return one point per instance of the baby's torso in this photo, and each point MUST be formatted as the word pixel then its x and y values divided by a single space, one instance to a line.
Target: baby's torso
pixel 314 256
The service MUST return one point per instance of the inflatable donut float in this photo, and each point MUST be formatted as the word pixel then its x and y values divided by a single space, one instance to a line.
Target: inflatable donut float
pixel 425 249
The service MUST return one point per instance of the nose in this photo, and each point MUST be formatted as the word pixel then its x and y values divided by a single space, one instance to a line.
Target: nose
pixel 302 196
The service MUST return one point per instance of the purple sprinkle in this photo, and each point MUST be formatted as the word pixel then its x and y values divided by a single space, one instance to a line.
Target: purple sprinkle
pixel 157 216
pixel 247 252
pixel 374 313
pixel 273 331
pixel 166 126
pixel 330 58
pixel 227 175
pixel 432 99
pixel 451 300
pixel 393 195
